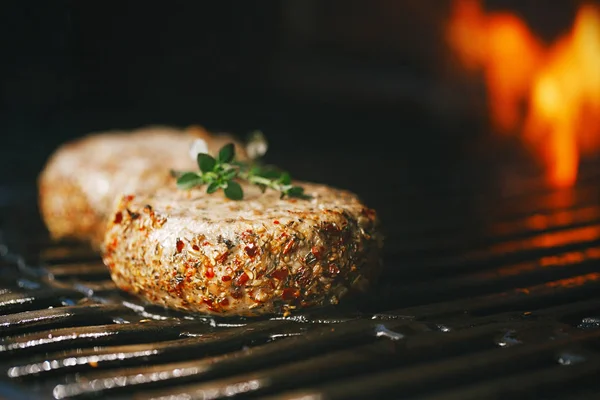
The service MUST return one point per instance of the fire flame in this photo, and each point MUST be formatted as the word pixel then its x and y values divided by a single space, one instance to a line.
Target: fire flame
pixel 549 94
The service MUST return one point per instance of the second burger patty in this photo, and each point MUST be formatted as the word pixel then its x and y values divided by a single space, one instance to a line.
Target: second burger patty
pixel 82 179
pixel 202 252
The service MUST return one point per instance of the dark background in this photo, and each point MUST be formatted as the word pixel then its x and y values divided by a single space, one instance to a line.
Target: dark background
pixel 357 94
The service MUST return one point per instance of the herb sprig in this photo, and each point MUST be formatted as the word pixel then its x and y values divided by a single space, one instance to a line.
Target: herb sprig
pixel 224 171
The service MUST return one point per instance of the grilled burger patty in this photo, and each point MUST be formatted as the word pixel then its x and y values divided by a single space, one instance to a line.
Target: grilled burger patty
pixel 83 178
pixel 202 252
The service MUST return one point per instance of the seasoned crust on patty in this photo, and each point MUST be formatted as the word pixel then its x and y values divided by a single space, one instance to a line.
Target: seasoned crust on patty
pixel 82 179
pixel 69 215
pixel 261 255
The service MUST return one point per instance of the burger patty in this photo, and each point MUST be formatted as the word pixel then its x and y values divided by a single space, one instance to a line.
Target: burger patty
pixel 83 178
pixel 189 250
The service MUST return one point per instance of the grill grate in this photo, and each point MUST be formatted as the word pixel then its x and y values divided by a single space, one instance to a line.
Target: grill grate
pixel 501 303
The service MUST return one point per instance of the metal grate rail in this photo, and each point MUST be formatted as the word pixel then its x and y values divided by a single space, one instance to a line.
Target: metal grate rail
pixel 503 304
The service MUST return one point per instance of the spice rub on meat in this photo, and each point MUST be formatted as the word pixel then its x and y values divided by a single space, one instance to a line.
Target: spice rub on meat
pixel 82 179
pixel 190 250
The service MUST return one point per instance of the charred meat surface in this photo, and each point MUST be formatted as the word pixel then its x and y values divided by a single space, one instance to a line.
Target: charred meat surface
pixel 190 250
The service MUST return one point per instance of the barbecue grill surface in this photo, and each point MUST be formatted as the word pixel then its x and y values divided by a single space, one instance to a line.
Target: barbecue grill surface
pixel 504 305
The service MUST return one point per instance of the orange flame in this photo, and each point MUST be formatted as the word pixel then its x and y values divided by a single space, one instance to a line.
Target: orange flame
pixel 551 94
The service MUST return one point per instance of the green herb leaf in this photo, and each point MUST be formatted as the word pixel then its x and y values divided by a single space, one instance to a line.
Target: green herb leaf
pixel 229 174
pixel 222 171
pixel 213 187
pixel 226 153
pixel 296 191
pixel 268 171
pixel 206 162
pixel 234 191
pixel 188 180
pixel 285 178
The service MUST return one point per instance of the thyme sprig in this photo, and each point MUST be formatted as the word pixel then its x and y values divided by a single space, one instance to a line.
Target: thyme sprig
pixel 224 172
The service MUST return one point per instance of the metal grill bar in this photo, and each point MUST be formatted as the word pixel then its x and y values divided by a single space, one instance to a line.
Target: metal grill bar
pixel 468 307
pixel 536 368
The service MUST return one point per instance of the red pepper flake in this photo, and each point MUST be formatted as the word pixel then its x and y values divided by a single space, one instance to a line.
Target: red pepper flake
pixel 130 197
pixel 280 274
pixel 251 249
pixel 113 244
pixel 195 247
pixel 225 278
pixel 209 303
pixel 333 269
pixel 276 222
pixel 289 246
pixel 188 274
pixel 179 245
pixel 118 217
pixel 236 293
pixel 316 251
pixel 242 279
pixel 222 257
pixel 210 273
pixel 224 302
pixel 247 233
pixel 206 243
pixel 290 294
